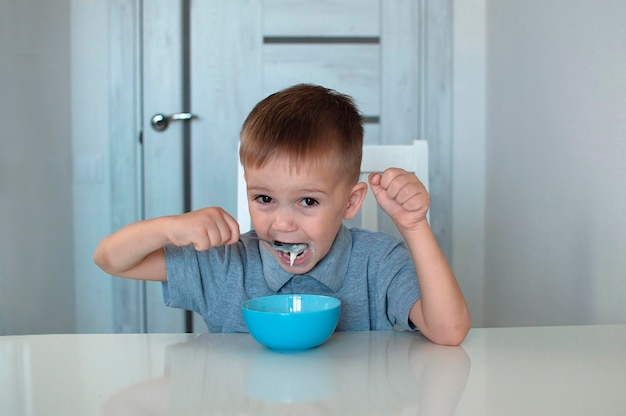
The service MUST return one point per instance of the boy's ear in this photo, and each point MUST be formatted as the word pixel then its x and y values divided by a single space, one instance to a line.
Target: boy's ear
pixel 355 200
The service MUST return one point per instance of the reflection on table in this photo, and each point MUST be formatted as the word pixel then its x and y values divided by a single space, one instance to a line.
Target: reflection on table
pixel 353 373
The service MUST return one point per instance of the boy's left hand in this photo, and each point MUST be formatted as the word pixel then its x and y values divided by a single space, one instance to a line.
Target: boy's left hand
pixel 401 195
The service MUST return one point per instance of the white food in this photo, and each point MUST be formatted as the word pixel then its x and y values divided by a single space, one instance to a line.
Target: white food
pixel 294 250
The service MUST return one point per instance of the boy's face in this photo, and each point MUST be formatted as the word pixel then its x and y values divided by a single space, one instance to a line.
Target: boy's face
pixel 307 206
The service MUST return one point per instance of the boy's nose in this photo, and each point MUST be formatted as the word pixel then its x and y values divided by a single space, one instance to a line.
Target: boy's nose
pixel 283 220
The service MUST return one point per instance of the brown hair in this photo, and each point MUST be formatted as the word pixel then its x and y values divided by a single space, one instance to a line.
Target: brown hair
pixel 313 126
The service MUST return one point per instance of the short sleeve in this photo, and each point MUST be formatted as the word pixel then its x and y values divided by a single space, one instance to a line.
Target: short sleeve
pixel 403 288
pixel 183 288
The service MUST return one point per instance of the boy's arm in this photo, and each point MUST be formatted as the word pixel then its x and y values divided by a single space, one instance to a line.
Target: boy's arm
pixel 136 251
pixel 441 313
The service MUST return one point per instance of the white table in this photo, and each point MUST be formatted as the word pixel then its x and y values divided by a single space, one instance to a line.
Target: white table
pixel 578 370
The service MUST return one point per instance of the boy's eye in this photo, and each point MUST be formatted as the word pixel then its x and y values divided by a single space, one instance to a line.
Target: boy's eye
pixel 264 199
pixel 308 202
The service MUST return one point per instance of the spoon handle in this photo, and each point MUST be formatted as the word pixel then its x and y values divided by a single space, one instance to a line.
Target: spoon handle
pixel 282 247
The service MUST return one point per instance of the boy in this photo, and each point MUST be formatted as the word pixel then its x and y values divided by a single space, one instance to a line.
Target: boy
pixel 301 152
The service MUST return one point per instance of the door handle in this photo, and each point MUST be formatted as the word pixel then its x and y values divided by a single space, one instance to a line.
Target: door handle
pixel 161 121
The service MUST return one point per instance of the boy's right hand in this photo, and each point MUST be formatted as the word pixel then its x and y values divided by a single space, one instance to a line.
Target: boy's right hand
pixel 136 250
pixel 204 228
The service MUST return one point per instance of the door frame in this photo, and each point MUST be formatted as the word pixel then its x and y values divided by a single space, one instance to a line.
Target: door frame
pixel 125 160
pixel 125 163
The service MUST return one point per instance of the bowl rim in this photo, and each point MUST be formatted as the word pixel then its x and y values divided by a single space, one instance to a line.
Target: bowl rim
pixel 246 304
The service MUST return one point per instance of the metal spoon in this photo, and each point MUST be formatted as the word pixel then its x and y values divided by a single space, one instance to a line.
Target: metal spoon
pixel 287 248
pixel 293 249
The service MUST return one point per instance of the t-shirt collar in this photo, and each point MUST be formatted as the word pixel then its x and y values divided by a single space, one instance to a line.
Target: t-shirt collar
pixel 330 271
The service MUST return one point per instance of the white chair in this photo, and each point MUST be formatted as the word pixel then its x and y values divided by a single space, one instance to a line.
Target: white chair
pixel 243 215
pixel 376 158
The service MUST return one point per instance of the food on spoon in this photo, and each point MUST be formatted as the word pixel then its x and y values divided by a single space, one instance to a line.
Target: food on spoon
pixel 294 250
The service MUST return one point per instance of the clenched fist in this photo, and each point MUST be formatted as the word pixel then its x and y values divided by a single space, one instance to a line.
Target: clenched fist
pixel 402 196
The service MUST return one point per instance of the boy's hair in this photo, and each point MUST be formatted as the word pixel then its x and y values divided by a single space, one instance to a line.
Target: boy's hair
pixel 313 126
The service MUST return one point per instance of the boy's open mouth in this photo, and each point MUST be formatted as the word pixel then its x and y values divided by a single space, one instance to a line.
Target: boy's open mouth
pixel 293 250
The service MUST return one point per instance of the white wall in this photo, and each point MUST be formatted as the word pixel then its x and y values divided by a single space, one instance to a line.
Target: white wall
pixel 468 152
pixel 555 222
pixel 91 125
pixel 539 230
pixel 54 191
pixel 36 237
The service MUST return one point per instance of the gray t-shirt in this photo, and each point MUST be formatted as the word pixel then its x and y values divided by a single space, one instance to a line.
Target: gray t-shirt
pixel 371 273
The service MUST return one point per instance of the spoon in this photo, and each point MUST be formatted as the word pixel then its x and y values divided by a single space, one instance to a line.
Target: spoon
pixel 287 248
pixel 292 249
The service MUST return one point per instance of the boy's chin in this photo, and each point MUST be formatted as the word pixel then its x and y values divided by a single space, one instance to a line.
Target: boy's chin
pixel 296 270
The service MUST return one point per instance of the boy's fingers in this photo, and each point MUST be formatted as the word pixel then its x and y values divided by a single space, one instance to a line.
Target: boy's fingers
pixel 226 230
pixel 234 232
pixel 408 192
pixel 389 176
pixel 202 244
pixel 374 178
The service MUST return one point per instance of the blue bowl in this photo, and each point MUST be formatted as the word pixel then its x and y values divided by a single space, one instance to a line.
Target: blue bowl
pixel 292 322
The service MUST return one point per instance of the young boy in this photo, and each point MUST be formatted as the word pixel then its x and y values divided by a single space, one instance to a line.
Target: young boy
pixel 301 152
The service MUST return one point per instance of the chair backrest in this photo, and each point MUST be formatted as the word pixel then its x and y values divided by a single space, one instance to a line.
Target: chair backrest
pixel 243 215
pixel 376 158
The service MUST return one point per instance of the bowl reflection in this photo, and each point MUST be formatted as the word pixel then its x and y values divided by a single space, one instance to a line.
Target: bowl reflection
pixel 292 377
